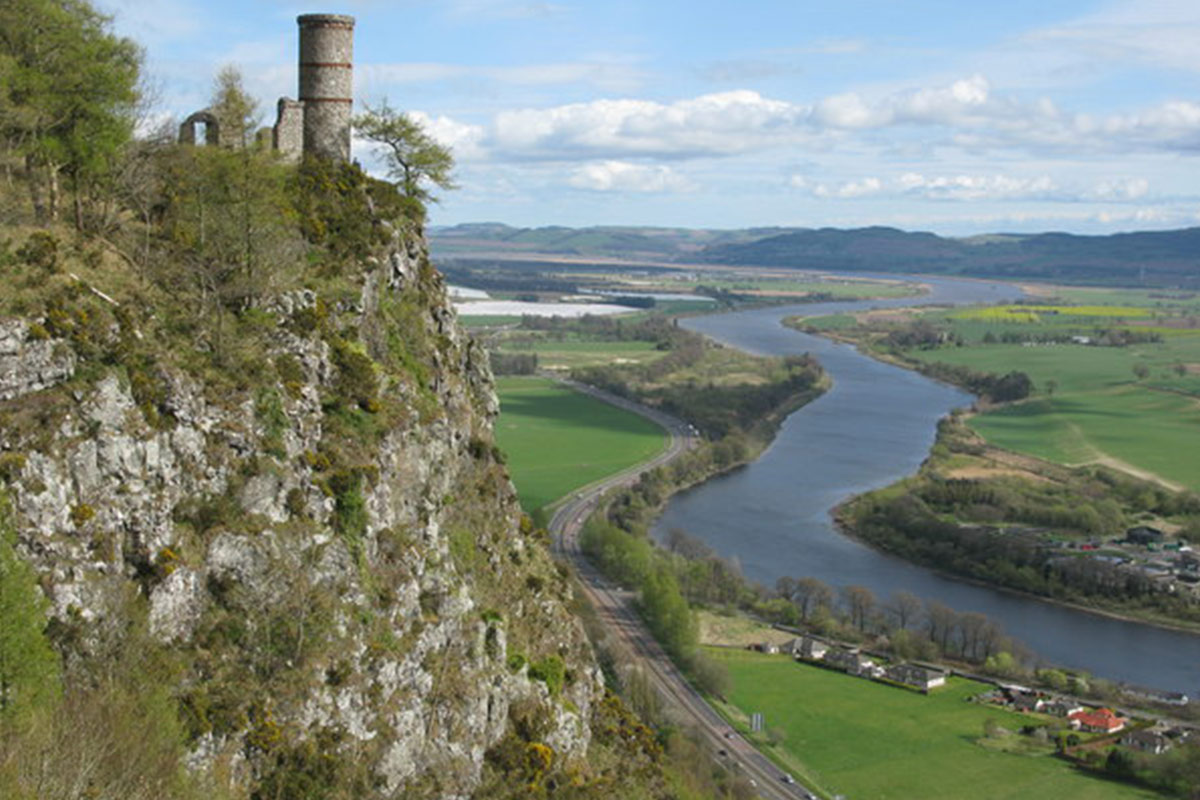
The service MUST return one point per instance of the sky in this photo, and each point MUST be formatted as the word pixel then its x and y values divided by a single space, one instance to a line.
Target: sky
pixel 939 115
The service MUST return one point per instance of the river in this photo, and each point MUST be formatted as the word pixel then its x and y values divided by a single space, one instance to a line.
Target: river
pixel 873 427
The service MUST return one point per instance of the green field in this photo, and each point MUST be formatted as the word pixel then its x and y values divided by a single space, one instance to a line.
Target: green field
pixel 567 354
pixel 869 740
pixel 1152 298
pixel 1097 410
pixel 557 440
pixel 487 320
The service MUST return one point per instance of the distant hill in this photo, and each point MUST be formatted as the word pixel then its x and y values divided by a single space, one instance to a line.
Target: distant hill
pixel 1157 258
pixel 625 242
pixel 1153 257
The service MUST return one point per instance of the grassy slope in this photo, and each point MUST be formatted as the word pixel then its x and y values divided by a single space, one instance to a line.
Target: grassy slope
pixel 867 740
pixel 557 440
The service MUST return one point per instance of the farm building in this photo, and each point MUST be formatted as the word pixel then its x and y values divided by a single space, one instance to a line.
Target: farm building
pixel 812 648
pixel 1061 708
pixel 913 675
pixel 1147 740
pixel 1101 720
pixel 851 661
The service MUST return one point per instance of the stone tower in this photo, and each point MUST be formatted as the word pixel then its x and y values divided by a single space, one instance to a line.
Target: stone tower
pixel 326 83
pixel 319 122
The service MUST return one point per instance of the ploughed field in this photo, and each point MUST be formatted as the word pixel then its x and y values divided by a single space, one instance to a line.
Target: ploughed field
pixel 557 440
pixel 863 739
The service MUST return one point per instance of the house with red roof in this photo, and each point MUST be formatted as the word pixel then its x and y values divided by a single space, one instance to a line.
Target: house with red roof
pixel 1098 720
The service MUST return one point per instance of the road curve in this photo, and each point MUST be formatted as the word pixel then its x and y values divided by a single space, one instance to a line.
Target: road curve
pixel 614 607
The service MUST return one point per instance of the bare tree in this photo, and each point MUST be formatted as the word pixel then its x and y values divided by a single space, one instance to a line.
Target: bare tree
pixel 812 594
pixel 904 607
pixel 680 541
pixel 860 603
pixel 942 621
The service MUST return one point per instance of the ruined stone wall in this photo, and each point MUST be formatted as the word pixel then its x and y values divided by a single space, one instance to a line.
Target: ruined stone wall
pixel 326 83
pixel 287 137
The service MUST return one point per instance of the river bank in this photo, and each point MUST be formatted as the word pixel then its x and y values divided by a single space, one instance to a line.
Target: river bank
pixel 847 530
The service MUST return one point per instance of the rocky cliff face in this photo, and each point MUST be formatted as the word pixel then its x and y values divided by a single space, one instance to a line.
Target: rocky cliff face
pixel 329 543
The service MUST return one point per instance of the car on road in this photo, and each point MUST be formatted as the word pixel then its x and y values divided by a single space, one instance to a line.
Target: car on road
pixel 786 778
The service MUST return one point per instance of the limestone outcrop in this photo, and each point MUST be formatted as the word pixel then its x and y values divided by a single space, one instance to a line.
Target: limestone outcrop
pixel 352 573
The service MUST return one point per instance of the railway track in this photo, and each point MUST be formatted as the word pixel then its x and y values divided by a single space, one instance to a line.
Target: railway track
pixel 614 606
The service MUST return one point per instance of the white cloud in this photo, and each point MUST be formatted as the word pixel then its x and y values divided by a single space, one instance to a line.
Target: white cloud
pixel 977 187
pixel 623 176
pixel 713 124
pixel 1122 189
pixel 969 115
pixel 464 139
pixel 842 191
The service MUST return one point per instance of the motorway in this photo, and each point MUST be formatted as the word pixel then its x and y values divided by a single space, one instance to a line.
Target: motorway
pixel 614 608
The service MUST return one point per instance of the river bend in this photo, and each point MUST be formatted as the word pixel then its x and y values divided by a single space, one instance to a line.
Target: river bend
pixel 873 427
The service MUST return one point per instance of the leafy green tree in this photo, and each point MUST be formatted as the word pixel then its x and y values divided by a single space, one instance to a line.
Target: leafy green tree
pixel 29 668
pixel 236 111
pixel 229 226
pixel 667 613
pixel 412 156
pixel 68 95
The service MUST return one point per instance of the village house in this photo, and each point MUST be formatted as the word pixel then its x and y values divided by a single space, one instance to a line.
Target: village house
pixel 1100 720
pixel 1147 740
pixel 1028 702
pixel 912 675
pixel 812 649
pixel 1060 707
pixel 851 661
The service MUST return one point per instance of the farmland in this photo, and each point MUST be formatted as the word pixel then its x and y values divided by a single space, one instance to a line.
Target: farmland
pixel 863 739
pixel 1116 375
pixel 566 354
pixel 557 440
pixel 1131 406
